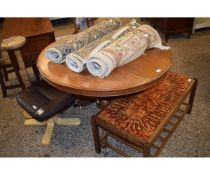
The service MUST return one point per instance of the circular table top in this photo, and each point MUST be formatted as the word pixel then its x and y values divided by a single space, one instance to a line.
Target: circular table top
pixel 133 77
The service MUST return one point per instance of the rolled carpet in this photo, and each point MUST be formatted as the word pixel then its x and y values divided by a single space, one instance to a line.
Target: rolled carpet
pixel 154 37
pixel 124 50
pixel 61 49
pixel 76 61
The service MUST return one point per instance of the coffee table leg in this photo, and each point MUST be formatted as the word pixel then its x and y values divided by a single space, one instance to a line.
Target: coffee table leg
pixel 146 152
pixel 95 132
pixel 192 95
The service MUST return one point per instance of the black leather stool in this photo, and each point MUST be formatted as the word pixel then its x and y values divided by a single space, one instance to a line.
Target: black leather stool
pixel 41 103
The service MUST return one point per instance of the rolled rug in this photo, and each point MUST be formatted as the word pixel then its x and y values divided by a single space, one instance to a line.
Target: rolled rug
pixel 76 61
pixel 124 50
pixel 120 52
pixel 61 49
pixel 154 37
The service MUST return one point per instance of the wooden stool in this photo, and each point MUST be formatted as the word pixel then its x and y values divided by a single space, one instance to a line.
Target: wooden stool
pixel 11 45
pixel 147 118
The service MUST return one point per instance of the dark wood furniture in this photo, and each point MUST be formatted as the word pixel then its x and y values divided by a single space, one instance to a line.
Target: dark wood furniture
pixel 38 32
pixel 173 25
pixel 130 78
pixel 145 121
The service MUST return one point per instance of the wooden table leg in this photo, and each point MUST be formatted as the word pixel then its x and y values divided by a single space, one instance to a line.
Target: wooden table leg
pixel 192 95
pixel 95 135
pixel 147 152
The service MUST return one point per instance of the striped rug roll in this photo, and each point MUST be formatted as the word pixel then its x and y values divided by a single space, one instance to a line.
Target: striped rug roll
pixel 61 49
pixel 76 61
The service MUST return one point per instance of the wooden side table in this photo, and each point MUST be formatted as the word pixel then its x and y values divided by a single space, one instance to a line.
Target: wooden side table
pixel 173 25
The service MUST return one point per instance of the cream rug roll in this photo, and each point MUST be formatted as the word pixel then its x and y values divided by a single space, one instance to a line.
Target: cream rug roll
pixel 124 50
pixel 76 61
pixel 154 37
pixel 64 47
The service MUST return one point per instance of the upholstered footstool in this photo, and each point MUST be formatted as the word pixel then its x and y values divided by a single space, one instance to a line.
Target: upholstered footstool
pixel 42 103
pixel 145 121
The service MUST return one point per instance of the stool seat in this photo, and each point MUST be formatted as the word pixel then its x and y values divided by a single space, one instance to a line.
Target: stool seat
pixel 43 101
pixel 13 43
pixel 138 120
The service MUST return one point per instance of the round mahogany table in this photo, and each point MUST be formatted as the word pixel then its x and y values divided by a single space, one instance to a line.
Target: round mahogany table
pixel 130 78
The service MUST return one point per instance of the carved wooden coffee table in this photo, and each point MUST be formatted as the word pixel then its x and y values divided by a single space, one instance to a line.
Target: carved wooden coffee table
pixel 133 77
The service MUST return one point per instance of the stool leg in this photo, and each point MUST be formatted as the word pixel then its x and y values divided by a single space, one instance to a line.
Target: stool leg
pixel 23 70
pixel 16 67
pixel 48 133
pixel 5 74
pixel 33 122
pixel 66 121
pixel 192 95
pixel 26 115
pixel 95 135
pixel 3 87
